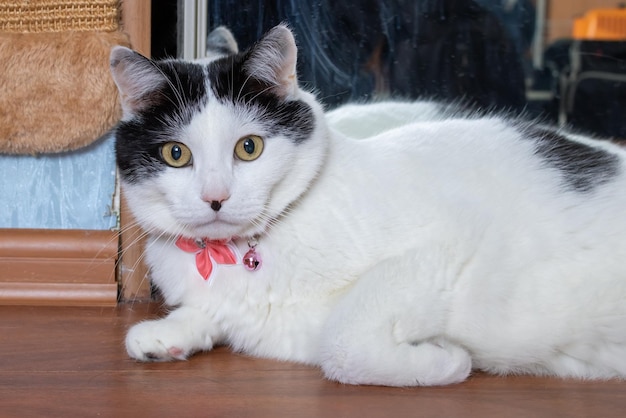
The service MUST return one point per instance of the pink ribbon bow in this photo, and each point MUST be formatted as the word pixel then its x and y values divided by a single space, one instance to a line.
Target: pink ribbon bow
pixel 206 252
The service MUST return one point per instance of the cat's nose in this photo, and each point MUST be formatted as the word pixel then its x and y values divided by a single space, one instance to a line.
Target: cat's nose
pixel 216 205
pixel 216 200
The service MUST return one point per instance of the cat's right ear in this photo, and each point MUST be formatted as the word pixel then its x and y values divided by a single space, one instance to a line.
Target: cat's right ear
pixel 273 60
pixel 137 79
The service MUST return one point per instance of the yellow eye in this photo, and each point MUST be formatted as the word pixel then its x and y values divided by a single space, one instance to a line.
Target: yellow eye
pixel 176 154
pixel 249 148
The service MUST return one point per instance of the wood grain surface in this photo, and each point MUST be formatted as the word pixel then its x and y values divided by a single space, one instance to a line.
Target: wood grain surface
pixel 70 362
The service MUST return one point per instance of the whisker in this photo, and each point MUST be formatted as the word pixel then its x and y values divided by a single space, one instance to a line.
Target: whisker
pixel 260 93
pixel 135 235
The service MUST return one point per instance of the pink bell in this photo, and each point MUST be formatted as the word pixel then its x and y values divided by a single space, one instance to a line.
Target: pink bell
pixel 251 260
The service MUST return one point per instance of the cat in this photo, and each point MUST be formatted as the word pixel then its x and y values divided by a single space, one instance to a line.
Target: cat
pixel 406 258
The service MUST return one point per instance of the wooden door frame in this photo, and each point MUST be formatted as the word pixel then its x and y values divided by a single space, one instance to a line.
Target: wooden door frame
pixel 132 272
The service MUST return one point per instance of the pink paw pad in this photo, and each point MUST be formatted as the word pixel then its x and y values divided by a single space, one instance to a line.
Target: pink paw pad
pixel 176 352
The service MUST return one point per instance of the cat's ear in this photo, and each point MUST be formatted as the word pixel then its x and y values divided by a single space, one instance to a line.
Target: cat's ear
pixel 273 60
pixel 137 79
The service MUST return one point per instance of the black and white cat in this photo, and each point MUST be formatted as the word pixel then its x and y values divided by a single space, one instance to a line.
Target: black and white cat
pixel 406 258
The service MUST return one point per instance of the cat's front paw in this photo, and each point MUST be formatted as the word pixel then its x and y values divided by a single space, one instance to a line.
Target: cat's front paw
pixel 158 340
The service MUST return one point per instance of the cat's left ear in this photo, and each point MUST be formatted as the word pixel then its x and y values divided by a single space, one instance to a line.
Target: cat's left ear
pixel 273 60
pixel 137 79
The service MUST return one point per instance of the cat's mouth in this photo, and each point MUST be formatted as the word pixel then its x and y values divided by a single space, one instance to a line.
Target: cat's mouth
pixel 216 229
pixel 220 225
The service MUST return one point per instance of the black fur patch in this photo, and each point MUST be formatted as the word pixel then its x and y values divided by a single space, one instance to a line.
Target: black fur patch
pixel 230 83
pixel 583 167
pixel 171 107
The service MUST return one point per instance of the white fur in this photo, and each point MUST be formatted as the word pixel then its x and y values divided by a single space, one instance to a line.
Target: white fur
pixel 404 259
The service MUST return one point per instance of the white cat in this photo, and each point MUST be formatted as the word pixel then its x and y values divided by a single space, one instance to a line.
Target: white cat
pixel 404 259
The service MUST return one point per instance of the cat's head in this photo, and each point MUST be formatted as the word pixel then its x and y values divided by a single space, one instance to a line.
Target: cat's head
pixel 219 149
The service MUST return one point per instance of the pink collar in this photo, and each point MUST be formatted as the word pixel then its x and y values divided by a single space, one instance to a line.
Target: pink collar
pixel 218 251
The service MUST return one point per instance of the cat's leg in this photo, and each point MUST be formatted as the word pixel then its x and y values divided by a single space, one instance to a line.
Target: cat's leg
pixel 390 330
pixel 181 333
pixel 601 359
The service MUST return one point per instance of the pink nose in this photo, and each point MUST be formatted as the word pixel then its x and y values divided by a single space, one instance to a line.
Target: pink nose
pixel 215 201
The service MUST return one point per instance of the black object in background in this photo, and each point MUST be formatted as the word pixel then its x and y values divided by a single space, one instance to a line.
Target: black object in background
pixel 356 50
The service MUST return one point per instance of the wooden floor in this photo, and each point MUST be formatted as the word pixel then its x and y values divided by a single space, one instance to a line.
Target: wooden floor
pixel 70 362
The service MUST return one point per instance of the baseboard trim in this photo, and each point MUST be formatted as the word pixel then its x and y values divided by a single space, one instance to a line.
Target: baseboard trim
pixel 58 267
pixel 58 294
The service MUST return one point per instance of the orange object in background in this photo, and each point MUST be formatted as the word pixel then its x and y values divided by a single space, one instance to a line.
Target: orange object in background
pixel 601 25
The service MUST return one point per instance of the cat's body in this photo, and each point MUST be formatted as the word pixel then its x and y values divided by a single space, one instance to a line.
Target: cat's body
pixel 402 259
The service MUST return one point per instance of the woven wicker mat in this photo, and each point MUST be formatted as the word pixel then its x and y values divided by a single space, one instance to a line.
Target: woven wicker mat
pixel 56 93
